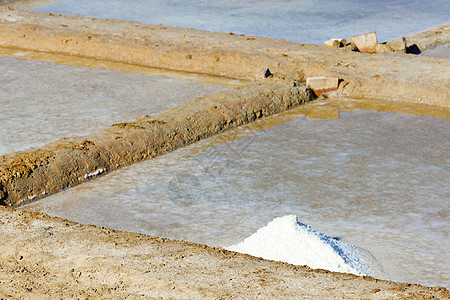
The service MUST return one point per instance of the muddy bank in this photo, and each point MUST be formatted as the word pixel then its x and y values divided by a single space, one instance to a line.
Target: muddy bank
pixel 390 76
pixel 44 257
pixel 30 175
pixel 48 257
pixel 424 40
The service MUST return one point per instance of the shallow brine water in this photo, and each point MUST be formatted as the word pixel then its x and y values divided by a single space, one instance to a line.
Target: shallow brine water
pixel 376 180
pixel 42 102
pixel 306 21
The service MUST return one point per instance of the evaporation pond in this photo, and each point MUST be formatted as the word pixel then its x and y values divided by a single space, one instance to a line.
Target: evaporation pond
pixel 42 102
pixel 376 180
pixel 304 21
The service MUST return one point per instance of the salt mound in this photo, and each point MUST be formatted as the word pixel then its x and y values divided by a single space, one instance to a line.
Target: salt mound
pixel 285 239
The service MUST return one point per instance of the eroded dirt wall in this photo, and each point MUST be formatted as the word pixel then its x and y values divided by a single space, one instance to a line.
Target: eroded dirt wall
pixel 389 76
pixel 30 175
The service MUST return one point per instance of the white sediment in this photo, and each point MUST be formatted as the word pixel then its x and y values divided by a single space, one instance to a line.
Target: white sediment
pixel 287 240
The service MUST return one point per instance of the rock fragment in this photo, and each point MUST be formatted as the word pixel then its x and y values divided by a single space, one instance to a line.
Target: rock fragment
pixel 366 42
pixel 267 73
pixel 383 48
pixel 322 85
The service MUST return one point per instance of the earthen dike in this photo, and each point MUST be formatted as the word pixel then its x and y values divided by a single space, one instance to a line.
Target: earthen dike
pixel 392 79
pixel 30 175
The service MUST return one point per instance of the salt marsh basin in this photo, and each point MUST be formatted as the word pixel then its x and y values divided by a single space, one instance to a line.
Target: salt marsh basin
pixel 33 221
pixel 356 177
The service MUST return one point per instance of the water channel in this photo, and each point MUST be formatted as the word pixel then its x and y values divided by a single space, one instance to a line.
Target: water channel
pixel 304 21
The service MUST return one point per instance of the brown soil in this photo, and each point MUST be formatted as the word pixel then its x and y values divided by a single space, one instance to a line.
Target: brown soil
pixel 393 76
pixel 428 39
pixel 48 257
pixel 30 175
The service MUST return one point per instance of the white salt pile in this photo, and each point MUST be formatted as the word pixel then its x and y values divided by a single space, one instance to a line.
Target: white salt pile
pixel 285 239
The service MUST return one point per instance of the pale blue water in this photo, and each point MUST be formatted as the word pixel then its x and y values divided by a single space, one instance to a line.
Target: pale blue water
pixel 380 181
pixel 377 180
pixel 41 102
pixel 309 21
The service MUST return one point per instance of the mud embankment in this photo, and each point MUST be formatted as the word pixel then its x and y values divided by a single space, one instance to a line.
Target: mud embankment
pixel 30 175
pixel 43 257
pixel 388 76
pixel 424 40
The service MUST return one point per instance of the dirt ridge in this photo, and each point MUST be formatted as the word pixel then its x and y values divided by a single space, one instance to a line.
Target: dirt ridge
pixel 427 39
pixel 54 258
pixel 31 175
pixel 393 76
pixel 45 257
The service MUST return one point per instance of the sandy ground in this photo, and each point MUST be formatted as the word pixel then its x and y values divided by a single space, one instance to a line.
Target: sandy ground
pixel 36 173
pixel 442 51
pixel 428 39
pixel 48 257
pixel 393 76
